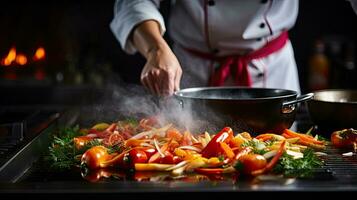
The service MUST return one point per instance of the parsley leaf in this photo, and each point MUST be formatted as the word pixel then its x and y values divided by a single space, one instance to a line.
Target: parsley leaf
pixel 302 167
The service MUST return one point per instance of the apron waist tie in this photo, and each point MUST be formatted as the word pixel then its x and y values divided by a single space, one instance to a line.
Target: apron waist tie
pixel 240 62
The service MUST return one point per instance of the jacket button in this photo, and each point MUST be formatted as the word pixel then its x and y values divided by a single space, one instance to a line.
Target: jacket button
pixel 263 1
pixel 211 2
pixel 262 25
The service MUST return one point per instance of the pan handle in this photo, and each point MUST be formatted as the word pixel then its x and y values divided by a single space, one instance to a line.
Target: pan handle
pixel 290 106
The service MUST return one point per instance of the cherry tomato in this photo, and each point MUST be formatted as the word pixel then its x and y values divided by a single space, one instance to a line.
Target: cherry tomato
pixel 127 160
pixel 344 138
pixel 251 162
pixel 137 156
pixel 177 159
pixel 167 159
pixel 94 157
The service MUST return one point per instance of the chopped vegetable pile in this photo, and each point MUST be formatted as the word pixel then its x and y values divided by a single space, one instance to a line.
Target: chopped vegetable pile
pixel 145 146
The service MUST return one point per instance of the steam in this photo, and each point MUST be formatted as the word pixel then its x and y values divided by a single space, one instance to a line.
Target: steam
pixel 118 101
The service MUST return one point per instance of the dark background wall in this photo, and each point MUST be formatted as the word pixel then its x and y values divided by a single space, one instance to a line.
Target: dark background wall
pixel 78 40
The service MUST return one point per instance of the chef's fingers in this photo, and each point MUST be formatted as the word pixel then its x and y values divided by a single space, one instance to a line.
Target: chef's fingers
pixel 145 80
pixel 154 79
pixel 167 82
pixel 178 79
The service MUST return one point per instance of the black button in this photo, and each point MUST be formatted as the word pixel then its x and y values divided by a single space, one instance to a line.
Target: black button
pixel 211 2
pixel 262 25
pixel 259 39
pixel 263 1
pixel 260 75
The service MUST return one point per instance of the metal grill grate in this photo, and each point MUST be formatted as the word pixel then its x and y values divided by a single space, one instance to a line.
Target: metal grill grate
pixel 341 167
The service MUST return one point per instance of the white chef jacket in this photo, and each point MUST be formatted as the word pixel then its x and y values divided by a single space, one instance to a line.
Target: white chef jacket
pixel 220 27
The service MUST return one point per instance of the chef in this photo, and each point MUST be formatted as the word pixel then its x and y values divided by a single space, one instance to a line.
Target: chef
pixel 216 43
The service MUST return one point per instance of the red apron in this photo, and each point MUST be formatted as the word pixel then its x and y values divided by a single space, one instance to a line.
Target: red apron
pixel 242 77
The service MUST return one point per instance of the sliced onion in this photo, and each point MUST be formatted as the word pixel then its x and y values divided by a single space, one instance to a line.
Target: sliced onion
pixel 158 149
pixel 270 154
pixel 190 148
pixel 320 153
pixel 151 132
pixel 194 139
pixel 348 154
pixel 146 145
pixel 179 170
pixel 295 154
pixel 178 165
pixel 207 137
pixel 92 135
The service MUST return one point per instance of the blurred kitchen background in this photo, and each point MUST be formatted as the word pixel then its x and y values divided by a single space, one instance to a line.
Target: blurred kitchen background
pixel 68 43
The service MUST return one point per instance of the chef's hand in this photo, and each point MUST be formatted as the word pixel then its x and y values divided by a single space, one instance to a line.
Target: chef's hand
pixel 162 72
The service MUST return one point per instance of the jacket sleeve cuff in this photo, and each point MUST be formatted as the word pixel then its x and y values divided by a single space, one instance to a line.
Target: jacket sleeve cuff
pixel 127 18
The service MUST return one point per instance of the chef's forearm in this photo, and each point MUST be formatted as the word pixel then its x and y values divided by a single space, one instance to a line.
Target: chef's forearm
pixel 147 37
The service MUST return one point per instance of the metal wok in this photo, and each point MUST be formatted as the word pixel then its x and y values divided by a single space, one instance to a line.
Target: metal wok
pixel 334 108
pixel 258 110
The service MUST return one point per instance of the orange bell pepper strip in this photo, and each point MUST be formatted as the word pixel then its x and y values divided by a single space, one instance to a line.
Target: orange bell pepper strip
pixel 264 137
pixel 226 150
pixel 213 148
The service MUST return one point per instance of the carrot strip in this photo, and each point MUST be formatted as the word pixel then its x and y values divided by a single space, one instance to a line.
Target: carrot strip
pixel 304 137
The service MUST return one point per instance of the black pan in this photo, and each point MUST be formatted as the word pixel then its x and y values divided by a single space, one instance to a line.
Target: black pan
pixel 334 109
pixel 258 110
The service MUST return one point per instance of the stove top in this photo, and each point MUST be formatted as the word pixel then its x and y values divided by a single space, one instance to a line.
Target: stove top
pixel 18 128
pixel 22 144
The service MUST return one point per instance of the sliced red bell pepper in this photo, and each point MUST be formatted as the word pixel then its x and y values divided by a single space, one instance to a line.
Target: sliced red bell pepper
pixel 209 171
pixel 213 148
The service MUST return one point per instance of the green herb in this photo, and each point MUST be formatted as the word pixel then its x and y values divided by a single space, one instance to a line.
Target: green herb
pixel 62 153
pixel 301 167
pixel 318 137
pixel 256 145
pixel 130 121
pixel 221 158
pixel 270 142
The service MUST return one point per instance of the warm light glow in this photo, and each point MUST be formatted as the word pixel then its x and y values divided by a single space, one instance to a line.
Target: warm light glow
pixel 11 56
pixel 21 59
pixel 39 54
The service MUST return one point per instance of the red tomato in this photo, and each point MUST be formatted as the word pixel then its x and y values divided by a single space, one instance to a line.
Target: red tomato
pixel 344 138
pixel 94 157
pixel 137 156
pixel 177 159
pixel 251 162
pixel 167 159
pixel 338 141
